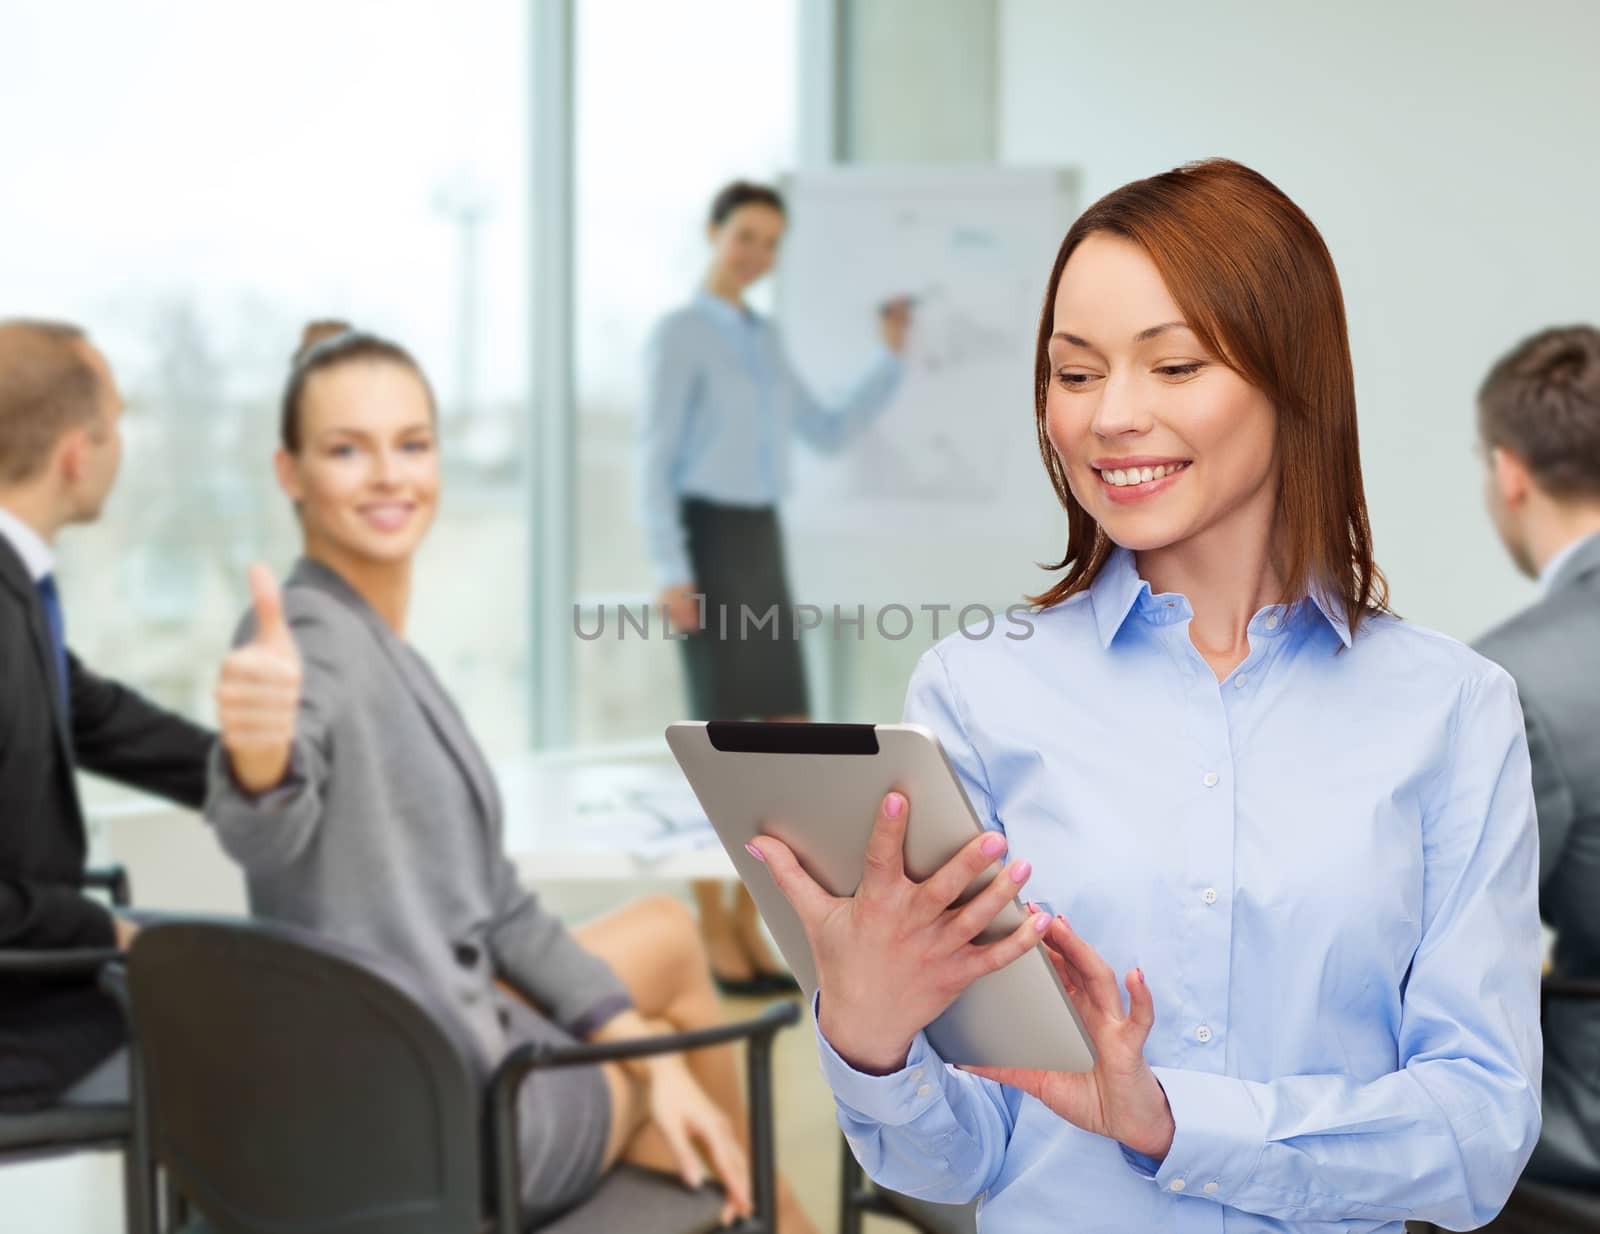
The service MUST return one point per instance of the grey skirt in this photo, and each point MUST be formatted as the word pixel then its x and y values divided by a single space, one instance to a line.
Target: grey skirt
pixel 745 663
pixel 563 1120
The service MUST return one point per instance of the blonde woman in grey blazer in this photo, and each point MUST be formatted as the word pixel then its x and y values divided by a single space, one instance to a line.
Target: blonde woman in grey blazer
pixel 351 791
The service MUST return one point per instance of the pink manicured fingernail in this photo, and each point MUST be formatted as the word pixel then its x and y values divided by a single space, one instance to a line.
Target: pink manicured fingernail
pixel 1041 923
pixel 1139 972
pixel 754 852
pixel 1063 921
pixel 1020 872
pixel 993 844
pixel 893 804
pixel 1032 907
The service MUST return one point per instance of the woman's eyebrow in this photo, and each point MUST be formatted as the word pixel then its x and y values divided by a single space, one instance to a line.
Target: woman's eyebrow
pixel 1143 336
pixel 341 430
pixel 1149 333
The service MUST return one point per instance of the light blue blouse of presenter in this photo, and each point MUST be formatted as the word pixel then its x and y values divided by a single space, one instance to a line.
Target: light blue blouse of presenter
pixel 720 400
pixel 1326 867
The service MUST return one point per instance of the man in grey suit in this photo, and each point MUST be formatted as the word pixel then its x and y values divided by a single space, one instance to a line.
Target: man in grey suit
pixel 1539 423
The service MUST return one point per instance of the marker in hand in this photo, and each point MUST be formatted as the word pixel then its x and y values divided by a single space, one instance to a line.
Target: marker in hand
pixel 258 692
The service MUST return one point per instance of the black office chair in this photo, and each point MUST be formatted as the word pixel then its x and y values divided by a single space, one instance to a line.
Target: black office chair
pixel 62 1129
pixel 290 1085
pixel 859 1195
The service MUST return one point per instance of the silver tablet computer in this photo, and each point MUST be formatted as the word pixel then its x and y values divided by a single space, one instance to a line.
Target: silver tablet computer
pixel 817 788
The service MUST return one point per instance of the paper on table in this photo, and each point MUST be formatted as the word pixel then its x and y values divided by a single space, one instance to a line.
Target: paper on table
pixel 653 818
pixel 685 825
pixel 645 810
pixel 675 805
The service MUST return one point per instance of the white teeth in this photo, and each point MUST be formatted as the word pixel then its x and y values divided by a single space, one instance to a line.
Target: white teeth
pixel 1122 477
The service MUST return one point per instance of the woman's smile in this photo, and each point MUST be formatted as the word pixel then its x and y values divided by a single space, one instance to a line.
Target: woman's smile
pixel 387 516
pixel 1125 481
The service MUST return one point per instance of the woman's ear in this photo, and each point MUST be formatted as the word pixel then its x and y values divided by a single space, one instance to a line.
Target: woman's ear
pixel 287 468
pixel 1511 477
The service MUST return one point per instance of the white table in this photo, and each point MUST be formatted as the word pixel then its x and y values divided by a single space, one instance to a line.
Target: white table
pixel 570 816
pixel 617 813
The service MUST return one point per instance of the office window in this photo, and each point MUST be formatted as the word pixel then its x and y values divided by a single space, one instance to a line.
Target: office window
pixel 672 101
pixel 192 182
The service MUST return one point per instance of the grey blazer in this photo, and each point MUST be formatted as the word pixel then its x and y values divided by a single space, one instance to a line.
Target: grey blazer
pixel 387 833
pixel 1553 651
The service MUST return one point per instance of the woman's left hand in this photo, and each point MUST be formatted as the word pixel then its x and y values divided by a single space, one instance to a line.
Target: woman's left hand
pixel 1121 1097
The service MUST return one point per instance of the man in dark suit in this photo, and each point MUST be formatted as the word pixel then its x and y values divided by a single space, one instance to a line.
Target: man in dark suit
pixel 59 450
pixel 1539 421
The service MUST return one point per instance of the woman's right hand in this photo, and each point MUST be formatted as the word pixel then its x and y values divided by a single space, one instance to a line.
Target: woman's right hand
pixel 687 1117
pixel 894 322
pixel 258 693
pixel 681 603
pixel 894 955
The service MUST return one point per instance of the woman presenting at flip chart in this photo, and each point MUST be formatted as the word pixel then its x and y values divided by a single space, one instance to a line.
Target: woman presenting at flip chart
pixel 1296 830
pixel 721 403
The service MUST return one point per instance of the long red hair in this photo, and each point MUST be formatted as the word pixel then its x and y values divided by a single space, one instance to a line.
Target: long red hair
pixel 1256 284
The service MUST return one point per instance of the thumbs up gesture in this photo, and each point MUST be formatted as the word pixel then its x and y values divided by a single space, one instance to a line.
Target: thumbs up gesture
pixel 258 692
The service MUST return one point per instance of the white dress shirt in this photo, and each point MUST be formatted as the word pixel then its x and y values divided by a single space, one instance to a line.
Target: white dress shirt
pixel 34 550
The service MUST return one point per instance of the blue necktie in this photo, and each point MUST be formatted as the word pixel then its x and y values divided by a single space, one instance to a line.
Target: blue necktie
pixel 50 601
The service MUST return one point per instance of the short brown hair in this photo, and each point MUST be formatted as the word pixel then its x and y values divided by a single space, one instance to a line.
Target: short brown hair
pixel 1541 401
pixel 744 193
pixel 47 387
pixel 1256 284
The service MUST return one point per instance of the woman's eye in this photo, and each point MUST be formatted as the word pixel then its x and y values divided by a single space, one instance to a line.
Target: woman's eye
pixel 345 451
pixel 417 447
pixel 1180 370
pixel 1075 380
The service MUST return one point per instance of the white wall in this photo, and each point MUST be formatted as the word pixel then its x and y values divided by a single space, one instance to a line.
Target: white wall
pixel 1450 154
pixel 918 80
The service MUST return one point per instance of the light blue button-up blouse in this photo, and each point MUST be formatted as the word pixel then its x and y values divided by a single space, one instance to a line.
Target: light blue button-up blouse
pixel 1326 867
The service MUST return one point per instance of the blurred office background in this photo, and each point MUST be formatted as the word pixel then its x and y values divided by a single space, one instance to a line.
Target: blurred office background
pixel 194 181
pixel 516 189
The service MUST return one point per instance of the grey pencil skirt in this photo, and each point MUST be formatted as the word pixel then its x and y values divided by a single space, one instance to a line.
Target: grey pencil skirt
pixel 745 663
pixel 563 1120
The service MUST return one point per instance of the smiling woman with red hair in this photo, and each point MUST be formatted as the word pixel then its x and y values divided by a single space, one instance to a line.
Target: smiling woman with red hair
pixel 1302 828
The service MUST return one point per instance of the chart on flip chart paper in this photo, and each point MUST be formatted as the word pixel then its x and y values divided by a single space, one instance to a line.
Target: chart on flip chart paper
pixel 943 495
